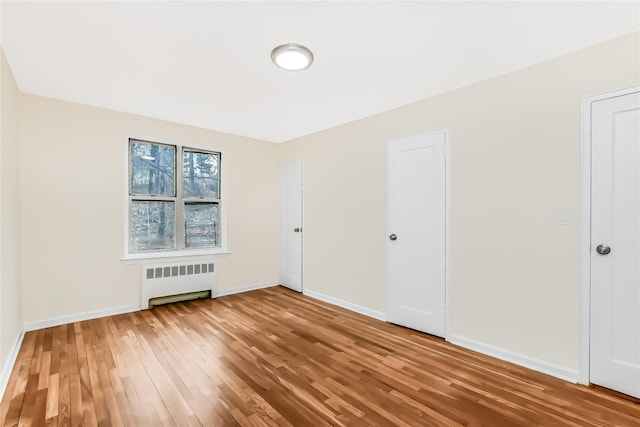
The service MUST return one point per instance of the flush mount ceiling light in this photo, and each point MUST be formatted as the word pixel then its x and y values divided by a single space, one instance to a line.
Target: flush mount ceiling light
pixel 292 57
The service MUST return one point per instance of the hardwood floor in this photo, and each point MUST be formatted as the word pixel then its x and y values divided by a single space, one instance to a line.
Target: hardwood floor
pixel 275 357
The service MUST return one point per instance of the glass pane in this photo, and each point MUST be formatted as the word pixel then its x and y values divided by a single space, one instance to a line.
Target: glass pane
pixel 201 224
pixel 152 225
pixel 152 169
pixel 200 174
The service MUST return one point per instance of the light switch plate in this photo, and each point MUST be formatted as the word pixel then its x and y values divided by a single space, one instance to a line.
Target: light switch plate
pixel 563 217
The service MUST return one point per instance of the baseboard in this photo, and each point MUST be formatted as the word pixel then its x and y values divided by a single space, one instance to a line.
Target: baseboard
pixel 379 315
pixel 88 315
pixel 9 363
pixel 516 358
pixel 246 288
pixel 79 317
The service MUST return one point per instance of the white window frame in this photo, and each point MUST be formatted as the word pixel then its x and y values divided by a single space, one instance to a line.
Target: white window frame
pixel 180 252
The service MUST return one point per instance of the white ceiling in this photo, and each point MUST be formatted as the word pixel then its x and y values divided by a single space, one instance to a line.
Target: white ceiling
pixel 208 63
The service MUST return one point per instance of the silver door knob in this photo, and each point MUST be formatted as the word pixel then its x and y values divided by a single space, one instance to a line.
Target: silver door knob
pixel 603 249
pixel 297 230
pixel 393 237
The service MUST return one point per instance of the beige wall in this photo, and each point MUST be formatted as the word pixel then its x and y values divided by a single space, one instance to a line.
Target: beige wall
pixel 515 158
pixel 72 187
pixel 515 165
pixel 10 305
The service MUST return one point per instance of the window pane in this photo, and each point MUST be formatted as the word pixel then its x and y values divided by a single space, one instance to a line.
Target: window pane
pixel 152 225
pixel 200 174
pixel 201 224
pixel 152 169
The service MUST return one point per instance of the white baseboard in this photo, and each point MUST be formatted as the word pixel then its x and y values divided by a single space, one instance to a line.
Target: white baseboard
pixel 78 317
pixel 516 358
pixel 247 288
pixel 379 315
pixel 112 311
pixel 9 363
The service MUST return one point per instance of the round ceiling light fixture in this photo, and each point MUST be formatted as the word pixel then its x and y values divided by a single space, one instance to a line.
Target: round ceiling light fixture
pixel 292 57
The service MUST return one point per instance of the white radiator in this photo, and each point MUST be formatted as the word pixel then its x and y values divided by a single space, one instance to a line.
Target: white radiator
pixel 175 279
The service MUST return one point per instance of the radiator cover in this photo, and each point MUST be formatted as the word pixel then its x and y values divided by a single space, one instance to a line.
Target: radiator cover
pixel 160 280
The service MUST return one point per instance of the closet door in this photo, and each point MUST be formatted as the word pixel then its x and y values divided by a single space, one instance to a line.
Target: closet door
pixel 290 198
pixel 416 240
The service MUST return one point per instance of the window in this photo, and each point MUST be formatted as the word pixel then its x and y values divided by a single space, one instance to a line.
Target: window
pixel 174 197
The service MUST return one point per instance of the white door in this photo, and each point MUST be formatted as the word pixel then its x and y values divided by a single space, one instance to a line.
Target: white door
pixel 416 240
pixel 615 244
pixel 290 198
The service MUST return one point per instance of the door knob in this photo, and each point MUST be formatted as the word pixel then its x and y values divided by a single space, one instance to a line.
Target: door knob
pixel 603 249
pixel 393 237
pixel 297 230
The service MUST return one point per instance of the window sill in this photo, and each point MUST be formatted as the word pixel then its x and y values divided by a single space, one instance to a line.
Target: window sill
pixel 172 256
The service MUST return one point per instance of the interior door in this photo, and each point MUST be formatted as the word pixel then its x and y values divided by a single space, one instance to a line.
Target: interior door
pixel 417 220
pixel 615 244
pixel 290 198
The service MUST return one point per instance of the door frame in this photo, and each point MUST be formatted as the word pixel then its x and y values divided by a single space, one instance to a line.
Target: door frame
pixel 447 227
pixel 585 226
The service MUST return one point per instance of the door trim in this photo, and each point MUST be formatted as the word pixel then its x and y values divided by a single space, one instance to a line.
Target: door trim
pixel 447 233
pixel 585 225
pixel 447 227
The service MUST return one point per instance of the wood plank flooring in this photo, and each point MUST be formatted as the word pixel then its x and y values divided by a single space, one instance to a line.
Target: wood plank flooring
pixel 274 357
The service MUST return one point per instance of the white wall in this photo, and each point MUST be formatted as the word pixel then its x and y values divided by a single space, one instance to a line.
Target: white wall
pixel 72 184
pixel 515 166
pixel 10 305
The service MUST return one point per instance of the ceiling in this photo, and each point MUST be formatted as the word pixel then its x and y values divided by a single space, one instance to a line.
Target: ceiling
pixel 208 64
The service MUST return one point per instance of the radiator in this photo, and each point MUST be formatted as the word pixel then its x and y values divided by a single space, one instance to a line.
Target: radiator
pixel 176 279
